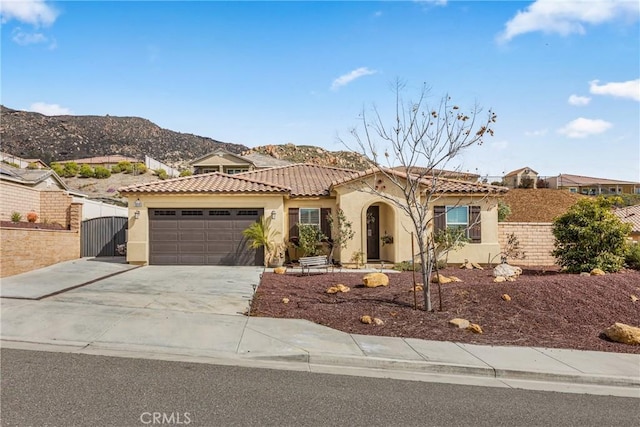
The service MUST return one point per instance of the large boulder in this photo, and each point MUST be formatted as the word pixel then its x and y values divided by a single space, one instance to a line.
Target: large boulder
pixel 459 323
pixel 439 278
pixel 506 271
pixel 619 332
pixel 373 280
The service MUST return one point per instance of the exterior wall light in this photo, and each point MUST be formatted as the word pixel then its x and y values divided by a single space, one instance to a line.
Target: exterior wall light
pixel 136 215
pixel 137 203
pixel 273 215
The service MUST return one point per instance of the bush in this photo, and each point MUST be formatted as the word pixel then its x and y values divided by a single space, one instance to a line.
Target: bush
pixel 70 170
pixel 504 210
pixel 161 173
pixel 632 259
pixel 57 168
pixel 86 171
pixel 186 172
pixel 125 167
pixel 140 168
pixel 590 236
pixel 32 165
pixel 309 238
pixel 115 169
pixel 101 172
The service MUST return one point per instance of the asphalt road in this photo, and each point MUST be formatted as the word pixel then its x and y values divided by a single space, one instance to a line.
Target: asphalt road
pixel 43 388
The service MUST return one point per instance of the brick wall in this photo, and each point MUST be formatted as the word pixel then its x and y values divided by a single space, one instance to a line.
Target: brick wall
pixel 55 207
pixel 17 198
pixel 24 249
pixel 536 239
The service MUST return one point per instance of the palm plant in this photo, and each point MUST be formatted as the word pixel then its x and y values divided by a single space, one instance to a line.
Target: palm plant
pixel 260 234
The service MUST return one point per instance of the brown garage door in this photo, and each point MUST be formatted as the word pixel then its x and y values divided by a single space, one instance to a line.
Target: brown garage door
pixel 202 237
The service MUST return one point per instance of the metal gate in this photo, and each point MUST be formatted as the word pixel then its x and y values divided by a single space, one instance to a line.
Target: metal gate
pixel 100 236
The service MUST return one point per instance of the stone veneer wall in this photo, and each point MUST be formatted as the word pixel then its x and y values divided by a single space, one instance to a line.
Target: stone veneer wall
pixel 26 249
pixel 536 239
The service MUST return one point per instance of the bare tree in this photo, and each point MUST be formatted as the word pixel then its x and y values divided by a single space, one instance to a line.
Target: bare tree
pixel 421 141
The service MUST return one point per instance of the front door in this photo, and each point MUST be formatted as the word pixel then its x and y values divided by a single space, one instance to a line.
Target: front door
pixel 373 232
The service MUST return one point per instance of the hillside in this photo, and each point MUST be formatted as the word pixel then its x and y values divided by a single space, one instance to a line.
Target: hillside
pixel 33 135
pixel 315 155
pixel 540 205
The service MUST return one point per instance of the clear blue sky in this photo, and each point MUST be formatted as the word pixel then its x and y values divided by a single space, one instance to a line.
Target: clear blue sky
pixel 563 77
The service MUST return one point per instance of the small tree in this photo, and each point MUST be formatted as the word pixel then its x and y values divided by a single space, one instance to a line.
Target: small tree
pixel 309 238
pixel 260 234
pixel 342 229
pixel 422 140
pixel 101 172
pixel 590 236
pixel 526 182
pixel 504 210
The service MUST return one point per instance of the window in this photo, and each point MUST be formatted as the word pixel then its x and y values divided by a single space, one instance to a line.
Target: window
pixel 234 171
pixel 573 190
pixel 310 216
pixel 466 217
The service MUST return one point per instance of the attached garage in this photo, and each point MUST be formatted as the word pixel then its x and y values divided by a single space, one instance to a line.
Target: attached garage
pixel 208 236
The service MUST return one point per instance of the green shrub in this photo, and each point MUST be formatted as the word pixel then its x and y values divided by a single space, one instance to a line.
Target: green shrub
pixel 125 167
pixel 16 216
pixel 101 172
pixel 161 173
pixel 32 165
pixel 504 210
pixel 140 168
pixel 70 169
pixel 589 235
pixel 632 258
pixel 186 172
pixel 57 168
pixel 309 238
pixel 86 171
pixel 116 169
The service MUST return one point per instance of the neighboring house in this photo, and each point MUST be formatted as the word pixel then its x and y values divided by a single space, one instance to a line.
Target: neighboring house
pixel 22 163
pixel 105 161
pixel 631 215
pixel 523 177
pixel 593 186
pixel 199 219
pixel 442 173
pixel 229 163
pixel 39 179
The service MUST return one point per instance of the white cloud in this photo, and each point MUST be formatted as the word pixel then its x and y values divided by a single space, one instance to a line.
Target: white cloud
pixel 500 145
pixel 35 12
pixel 345 79
pixel 579 101
pixel 538 132
pixel 24 38
pixel 377 14
pixel 581 127
pixel 50 109
pixel 433 2
pixel 629 89
pixel 567 17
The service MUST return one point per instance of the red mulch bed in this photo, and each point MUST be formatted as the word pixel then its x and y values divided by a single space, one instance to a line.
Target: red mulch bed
pixel 547 309
pixel 36 225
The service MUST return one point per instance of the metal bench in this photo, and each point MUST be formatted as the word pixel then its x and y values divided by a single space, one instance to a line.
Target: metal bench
pixel 309 262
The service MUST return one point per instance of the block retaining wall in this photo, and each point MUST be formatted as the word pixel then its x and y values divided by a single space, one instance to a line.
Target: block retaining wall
pixel 536 239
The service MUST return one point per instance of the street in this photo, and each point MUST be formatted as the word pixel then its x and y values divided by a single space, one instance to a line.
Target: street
pixel 45 388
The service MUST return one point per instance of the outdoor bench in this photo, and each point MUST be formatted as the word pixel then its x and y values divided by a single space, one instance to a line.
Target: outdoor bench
pixel 309 262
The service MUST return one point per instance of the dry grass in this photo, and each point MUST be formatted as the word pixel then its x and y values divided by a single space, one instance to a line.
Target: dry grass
pixel 540 205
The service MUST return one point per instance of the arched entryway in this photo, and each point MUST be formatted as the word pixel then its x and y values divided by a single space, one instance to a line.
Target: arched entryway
pixel 379 229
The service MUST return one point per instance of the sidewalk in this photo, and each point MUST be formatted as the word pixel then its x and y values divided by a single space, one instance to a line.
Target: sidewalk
pixel 163 331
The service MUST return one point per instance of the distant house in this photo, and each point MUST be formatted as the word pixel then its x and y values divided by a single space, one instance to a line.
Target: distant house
pixel 106 161
pixel 37 179
pixel 631 215
pixel 593 186
pixel 441 173
pixel 521 178
pixel 229 163
pixel 22 163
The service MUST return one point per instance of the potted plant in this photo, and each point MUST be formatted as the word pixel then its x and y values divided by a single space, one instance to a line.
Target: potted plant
pixel 276 254
pixel 16 217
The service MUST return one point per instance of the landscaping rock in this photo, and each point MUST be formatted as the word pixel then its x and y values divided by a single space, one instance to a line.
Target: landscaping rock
pixel 585 273
pixel 455 279
pixel 366 320
pixel 476 265
pixel 619 332
pixel 280 270
pixel 459 323
pixel 373 280
pixel 499 279
pixel 377 321
pixel 506 297
pixel 338 288
pixel 634 298
pixel 475 328
pixel 506 270
pixel 418 288
pixel 597 272
pixel 285 300
pixel 439 278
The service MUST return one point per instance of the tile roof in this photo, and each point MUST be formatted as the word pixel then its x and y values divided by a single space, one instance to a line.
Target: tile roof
pixel 29 176
pixel 444 185
pixel 579 180
pixel 304 179
pixel 262 161
pixel 443 173
pixel 103 159
pixel 517 171
pixel 214 182
pixel 630 215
